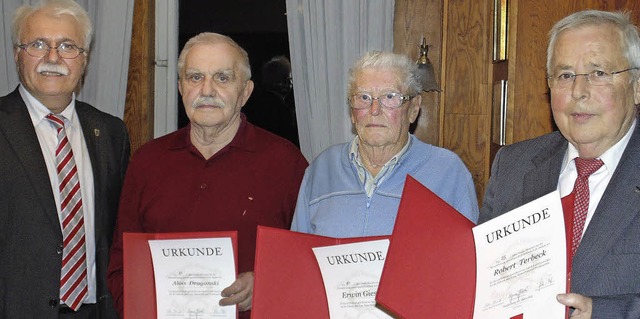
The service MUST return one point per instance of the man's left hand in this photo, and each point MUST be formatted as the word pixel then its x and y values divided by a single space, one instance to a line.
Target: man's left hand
pixel 582 305
pixel 240 292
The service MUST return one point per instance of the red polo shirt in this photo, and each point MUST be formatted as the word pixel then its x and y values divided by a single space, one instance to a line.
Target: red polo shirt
pixel 170 187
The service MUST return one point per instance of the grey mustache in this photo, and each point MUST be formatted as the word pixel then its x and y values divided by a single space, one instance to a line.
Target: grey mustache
pixel 207 100
pixel 53 68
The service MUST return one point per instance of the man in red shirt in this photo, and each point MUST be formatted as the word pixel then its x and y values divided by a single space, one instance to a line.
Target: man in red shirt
pixel 218 173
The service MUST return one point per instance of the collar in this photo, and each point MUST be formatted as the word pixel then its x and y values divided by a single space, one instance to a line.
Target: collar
pixel 37 110
pixel 243 140
pixel 354 154
pixel 363 173
pixel 610 158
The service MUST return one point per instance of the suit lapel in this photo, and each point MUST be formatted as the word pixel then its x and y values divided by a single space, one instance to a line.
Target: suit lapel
pixel 543 178
pixel 619 206
pixel 16 125
pixel 92 131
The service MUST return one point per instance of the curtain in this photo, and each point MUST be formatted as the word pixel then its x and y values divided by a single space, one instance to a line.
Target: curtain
pixel 8 74
pixel 105 83
pixel 325 39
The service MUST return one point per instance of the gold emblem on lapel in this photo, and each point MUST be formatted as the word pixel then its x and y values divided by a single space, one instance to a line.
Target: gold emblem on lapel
pixel 96 132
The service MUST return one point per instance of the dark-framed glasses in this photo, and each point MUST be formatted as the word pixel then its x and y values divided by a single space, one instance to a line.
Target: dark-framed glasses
pixel 391 100
pixel 39 48
pixel 596 78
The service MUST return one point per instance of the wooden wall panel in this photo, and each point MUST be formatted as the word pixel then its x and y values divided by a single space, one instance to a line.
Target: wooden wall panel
pixel 138 112
pixel 414 19
pixel 529 106
pixel 467 87
pixel 608 5
pixel 529 113
pixel 468 60
pixel 458 34
pixel 464 62
pixel 470 144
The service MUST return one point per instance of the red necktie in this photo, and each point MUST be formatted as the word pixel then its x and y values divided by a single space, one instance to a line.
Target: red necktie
pixel 73 278
pixel 585 168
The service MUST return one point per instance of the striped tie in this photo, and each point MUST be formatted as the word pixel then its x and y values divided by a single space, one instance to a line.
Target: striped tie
pixel 73 279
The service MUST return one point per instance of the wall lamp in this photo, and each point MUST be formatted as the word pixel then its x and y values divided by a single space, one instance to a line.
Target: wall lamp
pixel 425 69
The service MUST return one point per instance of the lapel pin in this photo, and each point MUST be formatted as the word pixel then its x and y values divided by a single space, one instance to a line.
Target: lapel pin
pixel 637 190
pixel 96 132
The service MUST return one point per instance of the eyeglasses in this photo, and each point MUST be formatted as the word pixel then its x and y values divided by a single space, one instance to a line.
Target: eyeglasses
pixel 39 48
pixel 392 100
pixel 595 78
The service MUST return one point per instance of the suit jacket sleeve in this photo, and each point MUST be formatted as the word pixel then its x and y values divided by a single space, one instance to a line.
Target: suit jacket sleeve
pixel 620 306
pixel 493 201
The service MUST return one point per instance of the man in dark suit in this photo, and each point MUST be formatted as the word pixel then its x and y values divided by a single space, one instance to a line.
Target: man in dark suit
pixel 593 72
pixel 62 163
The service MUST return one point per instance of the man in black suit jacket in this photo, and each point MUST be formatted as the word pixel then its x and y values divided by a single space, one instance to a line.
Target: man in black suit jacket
pixel 593 67
pixel 51 42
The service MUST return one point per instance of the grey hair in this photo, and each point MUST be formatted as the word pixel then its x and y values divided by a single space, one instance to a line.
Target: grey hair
pixel 628 32
pixel 57 8
pixel 378 60
pixel 213 38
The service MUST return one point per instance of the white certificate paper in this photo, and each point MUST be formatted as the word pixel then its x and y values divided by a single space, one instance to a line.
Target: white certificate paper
pixel 351 274
pixel 190 275
pixel 521 262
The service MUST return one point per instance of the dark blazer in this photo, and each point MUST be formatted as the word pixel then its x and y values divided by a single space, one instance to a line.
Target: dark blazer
pixel 606 266
pixel 30 235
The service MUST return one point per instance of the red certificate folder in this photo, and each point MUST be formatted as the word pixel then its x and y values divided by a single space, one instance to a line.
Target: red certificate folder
pixel 430 271
pixel 139 284
pixel 288 283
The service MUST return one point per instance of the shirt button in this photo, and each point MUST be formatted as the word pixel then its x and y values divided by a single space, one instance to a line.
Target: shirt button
pixel 53 302
pixel 203 186
pixel 59 250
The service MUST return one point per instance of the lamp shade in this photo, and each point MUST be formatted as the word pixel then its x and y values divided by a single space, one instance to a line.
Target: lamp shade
pixel 425 69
